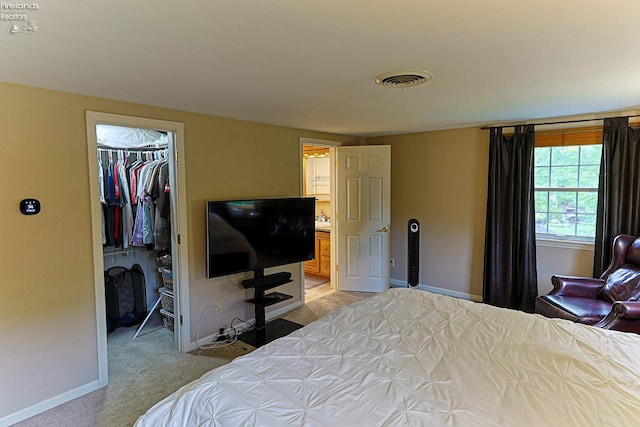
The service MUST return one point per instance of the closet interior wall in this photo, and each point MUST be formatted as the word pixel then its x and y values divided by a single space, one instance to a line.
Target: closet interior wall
pixel 125 254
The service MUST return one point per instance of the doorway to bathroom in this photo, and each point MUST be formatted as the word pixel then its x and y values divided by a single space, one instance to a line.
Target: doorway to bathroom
pixel 318 177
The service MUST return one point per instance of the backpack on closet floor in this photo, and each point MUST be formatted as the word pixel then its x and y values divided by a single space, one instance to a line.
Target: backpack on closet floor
pixel 126 296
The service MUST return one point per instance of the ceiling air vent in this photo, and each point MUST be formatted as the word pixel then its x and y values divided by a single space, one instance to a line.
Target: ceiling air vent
pixel 403 79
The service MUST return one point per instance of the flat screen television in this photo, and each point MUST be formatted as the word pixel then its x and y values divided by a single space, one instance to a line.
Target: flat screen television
pixel 251 235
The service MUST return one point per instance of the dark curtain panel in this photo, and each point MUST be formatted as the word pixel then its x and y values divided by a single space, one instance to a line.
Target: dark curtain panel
pixel 619 188
pixel 510 276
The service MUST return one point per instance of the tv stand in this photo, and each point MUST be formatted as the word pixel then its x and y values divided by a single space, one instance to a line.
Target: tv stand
pixel 266 332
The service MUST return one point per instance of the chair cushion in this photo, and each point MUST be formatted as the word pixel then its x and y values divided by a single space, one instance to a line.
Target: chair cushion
pixel 582 310
pixel 622 285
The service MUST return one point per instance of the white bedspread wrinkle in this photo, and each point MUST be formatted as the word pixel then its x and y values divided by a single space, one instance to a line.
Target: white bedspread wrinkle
pixel 412 358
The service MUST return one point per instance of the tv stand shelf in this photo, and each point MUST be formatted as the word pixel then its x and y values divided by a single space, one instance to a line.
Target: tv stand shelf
pixel 269 299
pixel 260 281
pixel 266 332
pixel 276 328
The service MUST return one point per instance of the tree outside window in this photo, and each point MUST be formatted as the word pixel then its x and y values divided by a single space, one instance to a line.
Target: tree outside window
pixel 566 190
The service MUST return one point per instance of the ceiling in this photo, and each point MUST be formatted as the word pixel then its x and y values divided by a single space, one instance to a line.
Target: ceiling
pixel 311 64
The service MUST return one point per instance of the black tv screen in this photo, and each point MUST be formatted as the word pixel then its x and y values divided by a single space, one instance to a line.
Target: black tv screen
pixel 250 235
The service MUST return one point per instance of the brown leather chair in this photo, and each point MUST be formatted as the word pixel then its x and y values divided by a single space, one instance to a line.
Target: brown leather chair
pixel 610 302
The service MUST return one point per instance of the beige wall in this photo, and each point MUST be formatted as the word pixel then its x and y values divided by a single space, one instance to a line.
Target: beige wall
pixel 440 178
pixel 47 309
pixel 565 261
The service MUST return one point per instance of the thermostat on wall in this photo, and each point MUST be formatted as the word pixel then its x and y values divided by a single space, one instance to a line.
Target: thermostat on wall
pixel 30 206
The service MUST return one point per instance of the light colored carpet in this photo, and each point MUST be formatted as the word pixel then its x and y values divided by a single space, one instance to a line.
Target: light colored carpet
pixel 146 370
pixel 312 282
pixel 320 307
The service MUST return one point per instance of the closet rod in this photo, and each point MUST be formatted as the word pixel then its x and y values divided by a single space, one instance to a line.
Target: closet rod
pixel 105 148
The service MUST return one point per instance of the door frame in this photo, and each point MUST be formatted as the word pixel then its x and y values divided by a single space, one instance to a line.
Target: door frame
pixel 179 232
pixel 332 200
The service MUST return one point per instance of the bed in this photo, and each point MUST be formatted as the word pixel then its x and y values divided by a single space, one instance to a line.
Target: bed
pixel 412 358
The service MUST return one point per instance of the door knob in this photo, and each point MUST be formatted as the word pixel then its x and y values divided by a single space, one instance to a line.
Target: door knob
pixel 383 230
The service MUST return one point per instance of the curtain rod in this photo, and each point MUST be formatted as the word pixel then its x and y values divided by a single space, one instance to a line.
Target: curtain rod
pixel 556 123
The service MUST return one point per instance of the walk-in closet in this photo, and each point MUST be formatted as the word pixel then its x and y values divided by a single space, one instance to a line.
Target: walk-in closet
pixel 135 197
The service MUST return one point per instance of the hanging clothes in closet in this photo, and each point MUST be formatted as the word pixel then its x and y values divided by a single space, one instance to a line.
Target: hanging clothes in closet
pixel 135 196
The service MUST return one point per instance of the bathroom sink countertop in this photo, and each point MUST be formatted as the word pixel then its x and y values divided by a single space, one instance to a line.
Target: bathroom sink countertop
pixel 323 226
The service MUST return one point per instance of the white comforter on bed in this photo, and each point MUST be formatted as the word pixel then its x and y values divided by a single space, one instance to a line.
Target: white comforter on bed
pixel 412 358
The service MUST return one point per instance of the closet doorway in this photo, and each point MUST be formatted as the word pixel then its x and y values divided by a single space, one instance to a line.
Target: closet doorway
pixel 318 166
pixel 118 147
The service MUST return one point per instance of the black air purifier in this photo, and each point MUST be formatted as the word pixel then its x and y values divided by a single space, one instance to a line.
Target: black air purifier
pixel 413 253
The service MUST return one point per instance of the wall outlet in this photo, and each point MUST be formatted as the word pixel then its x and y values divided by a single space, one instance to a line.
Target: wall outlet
pixel 218 307
pixel 393 262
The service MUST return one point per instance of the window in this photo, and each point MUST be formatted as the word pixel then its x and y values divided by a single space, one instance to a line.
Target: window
pixel 566 171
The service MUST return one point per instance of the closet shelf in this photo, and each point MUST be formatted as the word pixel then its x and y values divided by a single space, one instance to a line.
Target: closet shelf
pixel 133 149
pixel 117 251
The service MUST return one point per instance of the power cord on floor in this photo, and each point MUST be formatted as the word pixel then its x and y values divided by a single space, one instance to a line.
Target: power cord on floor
pixel 216 344
pixel 241 322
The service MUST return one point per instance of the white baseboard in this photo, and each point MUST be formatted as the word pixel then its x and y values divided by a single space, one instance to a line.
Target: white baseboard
pixel 395 283
pixel 45 405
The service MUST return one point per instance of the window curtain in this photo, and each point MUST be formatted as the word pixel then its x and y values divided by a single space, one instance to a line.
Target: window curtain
pixel 618 189
pixel 510 275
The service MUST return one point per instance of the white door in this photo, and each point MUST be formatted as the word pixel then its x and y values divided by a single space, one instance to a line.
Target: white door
pixel 363 217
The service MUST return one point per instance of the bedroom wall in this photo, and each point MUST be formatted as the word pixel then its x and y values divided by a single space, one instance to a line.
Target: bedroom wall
pixel 47 309
pixel 564 260
pixel 440 178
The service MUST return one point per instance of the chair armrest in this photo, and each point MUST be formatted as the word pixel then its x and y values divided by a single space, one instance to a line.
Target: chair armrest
pixel 626 309
pixel 581 287
pixel 624 316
